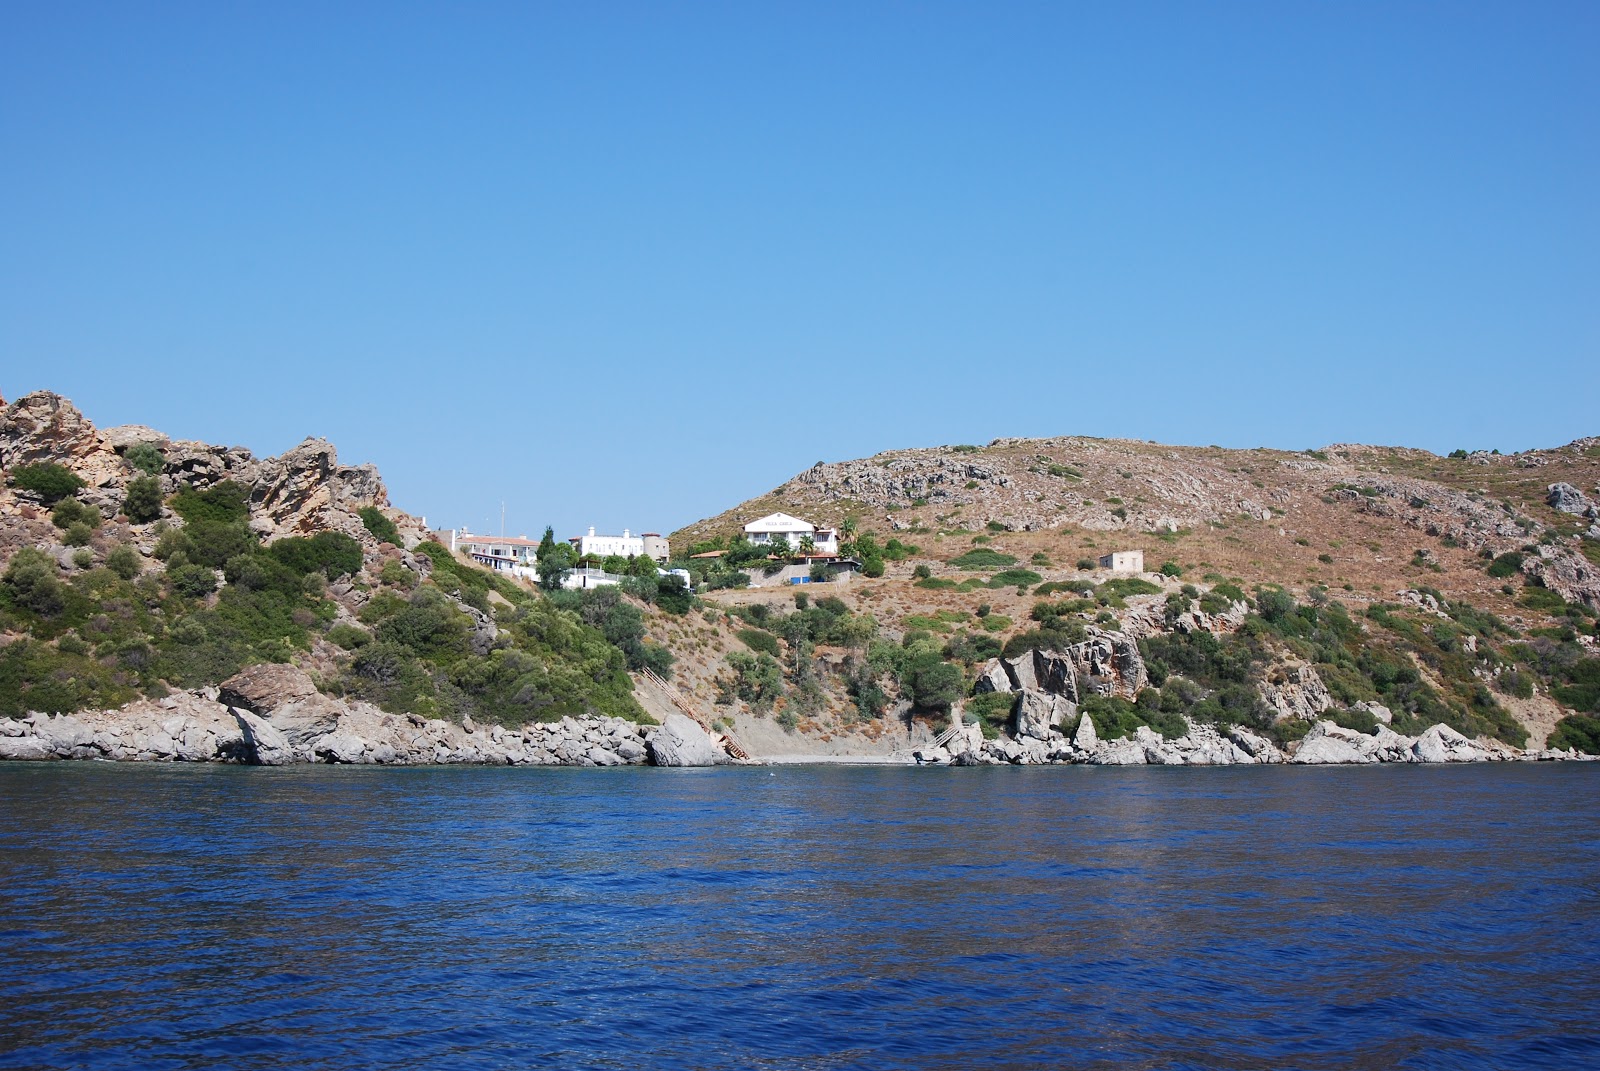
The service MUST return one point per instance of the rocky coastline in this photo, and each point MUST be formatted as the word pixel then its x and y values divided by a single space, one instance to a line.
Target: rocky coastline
pixel 273 715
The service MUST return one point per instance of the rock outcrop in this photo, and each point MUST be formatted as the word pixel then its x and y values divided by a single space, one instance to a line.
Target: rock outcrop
pixel 302 491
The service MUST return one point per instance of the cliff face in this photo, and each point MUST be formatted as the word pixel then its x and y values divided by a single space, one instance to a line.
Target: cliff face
pixel 302 491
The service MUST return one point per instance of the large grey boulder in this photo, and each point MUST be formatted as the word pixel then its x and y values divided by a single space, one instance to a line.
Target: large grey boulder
pixel 1566 498
pixel 285 696
pixel 1328 744
pixel 1258 748
pixel 1085 739
pixel 1118 753
pixel 1440 743
pixel 263 744
pixel 992 678
pixel 681 742
pixel 25 749
pixel 1040 712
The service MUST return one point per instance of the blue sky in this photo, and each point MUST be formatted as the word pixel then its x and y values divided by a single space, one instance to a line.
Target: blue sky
pixel 627 265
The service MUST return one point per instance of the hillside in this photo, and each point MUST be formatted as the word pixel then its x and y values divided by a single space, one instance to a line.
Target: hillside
pixel 1458 574
pixel 134 567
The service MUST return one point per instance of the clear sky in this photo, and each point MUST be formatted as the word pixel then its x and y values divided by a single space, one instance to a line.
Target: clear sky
pixel 627 265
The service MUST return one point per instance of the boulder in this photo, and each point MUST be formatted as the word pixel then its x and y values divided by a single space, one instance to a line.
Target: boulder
pixel 341 747
pixel 1085 738
pixel 1565 498
pixel 263 744
pixel 1377 710
pixel 1258 748
pixel 1040 712
pixel 1328 744
pixel 285 696
pixel 1440 743
pixel 62 733
pixel 992 678
pixel 681 742
pixel 25 749
pixel 1158 751
pixel 1118 753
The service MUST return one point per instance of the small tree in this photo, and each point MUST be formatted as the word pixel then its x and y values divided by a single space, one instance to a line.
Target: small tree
pixel 143 502
pixel 808 545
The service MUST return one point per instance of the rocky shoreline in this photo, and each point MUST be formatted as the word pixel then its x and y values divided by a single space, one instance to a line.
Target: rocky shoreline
pixel 1326 744
pixel 274 716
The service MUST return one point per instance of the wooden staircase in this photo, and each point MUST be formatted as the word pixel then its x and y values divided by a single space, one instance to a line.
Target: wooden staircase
pixel 729 744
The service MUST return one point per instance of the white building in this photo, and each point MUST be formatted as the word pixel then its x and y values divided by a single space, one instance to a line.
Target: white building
pixel 627 545
pixel 1123 561
pixel 497 552
pixel 792 530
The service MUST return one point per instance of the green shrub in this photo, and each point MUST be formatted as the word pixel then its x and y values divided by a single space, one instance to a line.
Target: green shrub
pixel 83 558
pixel 982 558
pixel 1087 564
pixel 125 562
pixel 142 504
pixel 996 622
pixel 1578 732
pixel 78 535
pixel 991 711
pixel 930 682
pixel 1171 568
pixel 757 640
pixel 1515 683
pixel 333 554
pixel 1014 578
pixel 922 572
pixel 51 482
pixel 146 457
pixel 69 511
pixel 349 637
pixel 381 527
pixel 192 581
pixel 872 567
pixel 397 575
pixel 223 503
pixel 1505 565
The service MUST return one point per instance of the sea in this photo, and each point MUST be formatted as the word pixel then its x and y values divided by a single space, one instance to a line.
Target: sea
pixel 805 917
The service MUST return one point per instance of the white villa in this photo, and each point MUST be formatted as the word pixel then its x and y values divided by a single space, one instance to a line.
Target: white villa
pixel 627 545
pixel 792 530
pixel 1123 561
pixel 497 552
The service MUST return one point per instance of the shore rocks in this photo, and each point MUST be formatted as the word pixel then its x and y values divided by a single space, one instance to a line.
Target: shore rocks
pixel 681 742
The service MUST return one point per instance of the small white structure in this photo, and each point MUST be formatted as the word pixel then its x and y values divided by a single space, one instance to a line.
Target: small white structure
pixel 1123 561
pixel 792 530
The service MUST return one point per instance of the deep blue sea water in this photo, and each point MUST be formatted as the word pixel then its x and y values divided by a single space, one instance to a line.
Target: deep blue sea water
pixel 160 917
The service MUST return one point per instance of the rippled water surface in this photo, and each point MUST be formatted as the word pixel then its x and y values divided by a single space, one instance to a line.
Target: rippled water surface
pixel 187 917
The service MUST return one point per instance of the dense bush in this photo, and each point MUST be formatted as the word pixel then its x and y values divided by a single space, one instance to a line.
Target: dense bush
pixel 333 554
pixel 982 558
pixel 381 527
pixel 1012 578
pixel 757 640
pixel 146 457
pixel 142 504
pixel 1580 732
pixel 51 482
pixel 222 503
